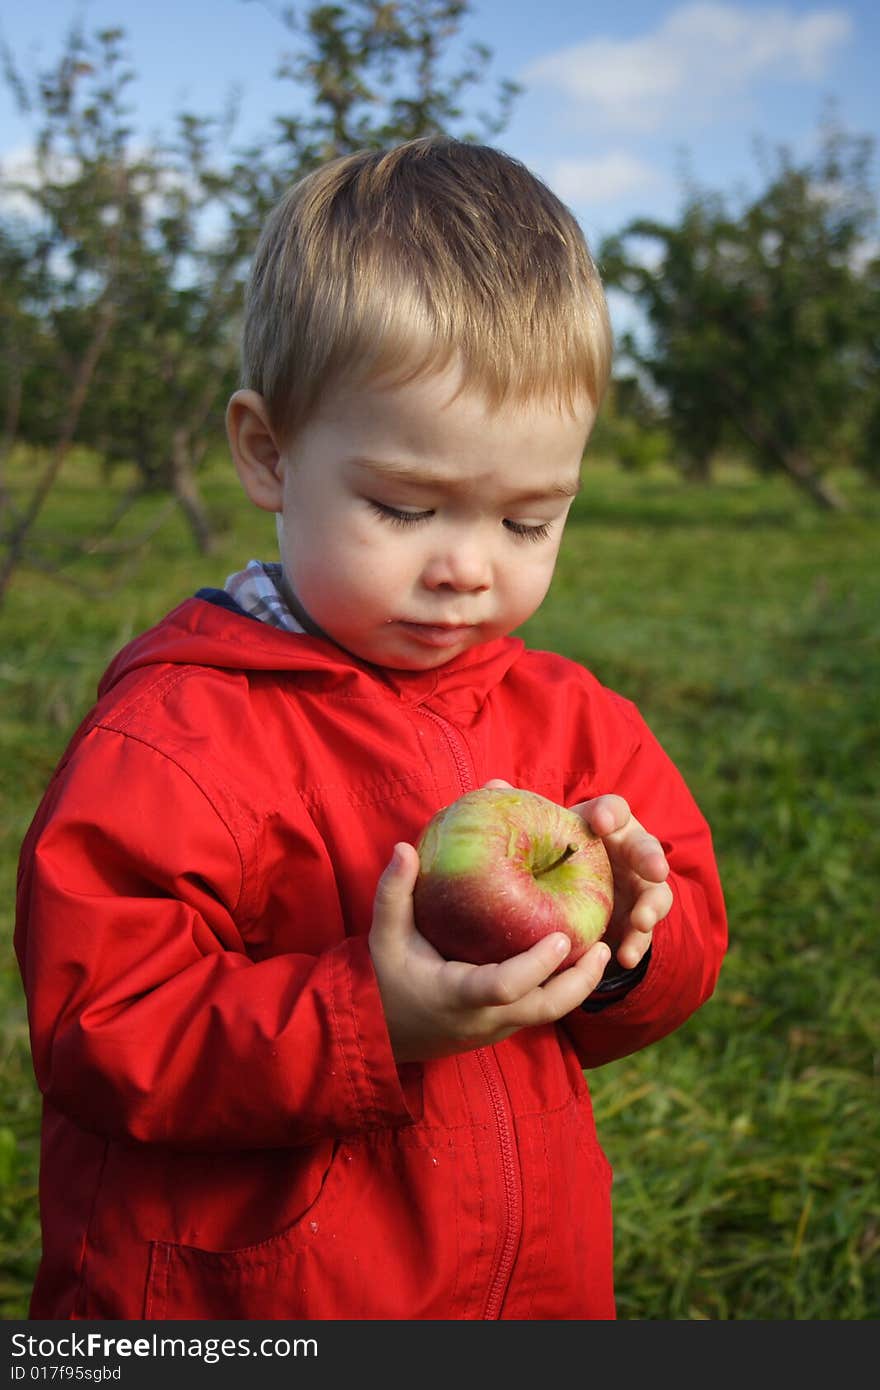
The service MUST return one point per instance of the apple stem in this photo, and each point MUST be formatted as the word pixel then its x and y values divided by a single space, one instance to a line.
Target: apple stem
pixel 566 854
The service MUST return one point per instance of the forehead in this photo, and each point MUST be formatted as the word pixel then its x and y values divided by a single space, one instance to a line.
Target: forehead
pixel 443 404
pixel 432 433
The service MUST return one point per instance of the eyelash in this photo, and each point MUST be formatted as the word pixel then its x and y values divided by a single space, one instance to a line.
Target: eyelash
pixel 529 533
pixel 398 518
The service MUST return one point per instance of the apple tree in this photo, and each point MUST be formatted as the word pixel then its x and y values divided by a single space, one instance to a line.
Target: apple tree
pixel 762 318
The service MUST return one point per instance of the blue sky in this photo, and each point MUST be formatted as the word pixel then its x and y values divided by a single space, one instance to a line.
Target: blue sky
pixel 615 100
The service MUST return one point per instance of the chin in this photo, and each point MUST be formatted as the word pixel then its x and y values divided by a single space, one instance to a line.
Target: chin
pixel 389 651
pixel 415 656
pixel 406 661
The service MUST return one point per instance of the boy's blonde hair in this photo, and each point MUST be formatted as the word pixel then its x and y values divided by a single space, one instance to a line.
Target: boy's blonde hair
pixel 393 263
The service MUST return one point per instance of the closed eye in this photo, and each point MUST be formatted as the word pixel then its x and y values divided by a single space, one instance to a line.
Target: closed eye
pixel 529 533
pixel 398 517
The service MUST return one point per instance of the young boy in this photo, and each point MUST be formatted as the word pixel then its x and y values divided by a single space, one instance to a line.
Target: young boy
pixel 266 1096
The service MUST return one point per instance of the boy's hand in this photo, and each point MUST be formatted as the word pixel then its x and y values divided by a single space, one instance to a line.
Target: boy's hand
pixel 435 1007
pixel 642 897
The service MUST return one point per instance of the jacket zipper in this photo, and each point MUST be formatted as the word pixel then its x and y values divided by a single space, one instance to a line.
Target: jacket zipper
pixel 500 1277
pixel 456 748
pixel 512 1191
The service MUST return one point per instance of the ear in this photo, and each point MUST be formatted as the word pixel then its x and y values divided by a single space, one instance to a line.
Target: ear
pixel 255 450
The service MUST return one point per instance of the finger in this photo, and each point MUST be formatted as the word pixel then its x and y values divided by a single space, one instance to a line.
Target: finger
pixel 392 905
pixel 632 948
pixel 647 859
pixel 606 814
pixel 558 996
pixel 610 817
pixel 569 989
pixel 485 986
pixel 650 909
pixel 651 906
pixel 643 851
pixel 498 782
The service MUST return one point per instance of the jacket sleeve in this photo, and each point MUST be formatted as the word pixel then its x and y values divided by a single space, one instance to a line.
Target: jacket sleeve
pixel 689 944
pixel 149 1019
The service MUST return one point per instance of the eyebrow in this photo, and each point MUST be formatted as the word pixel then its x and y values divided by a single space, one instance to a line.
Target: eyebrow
pixel 424 477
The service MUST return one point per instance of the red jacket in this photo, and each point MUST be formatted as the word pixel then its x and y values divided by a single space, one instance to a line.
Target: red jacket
pixel 226 1133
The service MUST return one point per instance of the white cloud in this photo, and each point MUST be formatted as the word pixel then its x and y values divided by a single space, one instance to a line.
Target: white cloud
pixel 591 182
pixel 23 173
pixel 702 54
pixel 20 172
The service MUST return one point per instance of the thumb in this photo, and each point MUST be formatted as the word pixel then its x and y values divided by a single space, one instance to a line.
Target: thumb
pixel 392 905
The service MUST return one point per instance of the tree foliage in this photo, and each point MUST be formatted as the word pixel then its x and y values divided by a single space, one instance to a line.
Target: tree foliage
pixel 763 318
pixel 122 278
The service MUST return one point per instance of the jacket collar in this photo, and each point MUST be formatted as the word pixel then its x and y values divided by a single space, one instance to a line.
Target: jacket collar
pixel 201 632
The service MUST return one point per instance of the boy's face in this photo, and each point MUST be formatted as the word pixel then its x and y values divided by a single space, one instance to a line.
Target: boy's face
pixel 416 523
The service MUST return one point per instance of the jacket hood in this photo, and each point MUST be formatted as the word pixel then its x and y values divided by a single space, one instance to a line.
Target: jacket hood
pixel 202 632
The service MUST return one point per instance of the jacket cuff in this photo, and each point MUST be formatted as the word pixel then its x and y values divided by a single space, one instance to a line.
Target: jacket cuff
pixel 610 991
pixel 388 1094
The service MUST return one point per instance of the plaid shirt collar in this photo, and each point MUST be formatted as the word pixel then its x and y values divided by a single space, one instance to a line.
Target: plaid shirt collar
pixel 258 589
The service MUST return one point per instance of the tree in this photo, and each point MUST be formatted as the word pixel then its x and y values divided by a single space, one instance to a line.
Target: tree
pixel 365 74
pixel 65 268
pixel 121 288
pixel 111 298
pixel 760 318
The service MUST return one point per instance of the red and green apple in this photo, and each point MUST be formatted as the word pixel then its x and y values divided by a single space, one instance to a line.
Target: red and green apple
pixel 501 868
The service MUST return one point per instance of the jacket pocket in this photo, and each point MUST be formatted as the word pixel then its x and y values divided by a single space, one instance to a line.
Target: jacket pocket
pixel 261 1280
pixel 403 1228
pixel 566 1268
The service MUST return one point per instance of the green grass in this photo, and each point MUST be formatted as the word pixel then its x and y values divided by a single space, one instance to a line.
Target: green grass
pixel 746 625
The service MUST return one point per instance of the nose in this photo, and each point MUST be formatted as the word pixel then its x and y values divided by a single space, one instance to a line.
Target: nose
pixel 461 563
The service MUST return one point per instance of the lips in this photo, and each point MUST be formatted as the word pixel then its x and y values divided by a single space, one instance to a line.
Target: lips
pixel 437 634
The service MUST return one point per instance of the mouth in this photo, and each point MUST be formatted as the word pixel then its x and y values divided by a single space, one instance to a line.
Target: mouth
pixel 436 634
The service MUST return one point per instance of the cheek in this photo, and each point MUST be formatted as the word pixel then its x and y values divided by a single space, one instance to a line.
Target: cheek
pixel 527 585
pixel 531 573
pixel 348 568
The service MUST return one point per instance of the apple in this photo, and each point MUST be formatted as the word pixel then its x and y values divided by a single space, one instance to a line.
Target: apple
pixel 500 868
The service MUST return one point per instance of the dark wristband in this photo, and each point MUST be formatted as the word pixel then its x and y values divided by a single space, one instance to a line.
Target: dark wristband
pixel 608 992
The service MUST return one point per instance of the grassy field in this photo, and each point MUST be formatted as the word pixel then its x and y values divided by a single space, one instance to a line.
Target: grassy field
pixel 746 625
